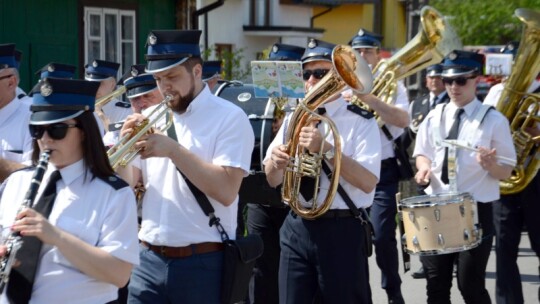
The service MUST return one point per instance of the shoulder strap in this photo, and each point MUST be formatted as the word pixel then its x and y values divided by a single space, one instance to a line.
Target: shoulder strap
pixel 359 213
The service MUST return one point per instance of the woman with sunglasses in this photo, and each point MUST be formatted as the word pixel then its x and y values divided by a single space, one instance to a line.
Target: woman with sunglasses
pixel 463 119
pixel 89 240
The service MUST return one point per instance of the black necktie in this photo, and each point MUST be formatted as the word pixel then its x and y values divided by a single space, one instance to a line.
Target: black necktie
pixel 307 184
pixel 433 102
pixel 21 279
pixel 453 134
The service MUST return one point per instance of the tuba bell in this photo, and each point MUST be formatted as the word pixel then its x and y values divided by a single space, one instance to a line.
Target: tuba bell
pixel 522 109
pixel 434 41
pixel 349 69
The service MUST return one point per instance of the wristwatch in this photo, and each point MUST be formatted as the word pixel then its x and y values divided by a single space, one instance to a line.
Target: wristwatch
pixel 330 153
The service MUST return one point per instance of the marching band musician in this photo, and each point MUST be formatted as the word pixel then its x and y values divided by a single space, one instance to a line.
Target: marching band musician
pixel 511 212
pixel 383 211
pixel 80 236
pixel 266 220
pixel 211 73
pixel 15 140
pixel 210 143
pixel 326 258
pixel 105 72
pixel 464 118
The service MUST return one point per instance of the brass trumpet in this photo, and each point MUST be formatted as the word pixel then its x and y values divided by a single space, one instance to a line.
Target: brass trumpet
pixel 107 98
pixel 124 151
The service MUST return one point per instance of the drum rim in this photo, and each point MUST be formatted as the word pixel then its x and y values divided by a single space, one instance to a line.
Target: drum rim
pixel 440 199
pixel 446 250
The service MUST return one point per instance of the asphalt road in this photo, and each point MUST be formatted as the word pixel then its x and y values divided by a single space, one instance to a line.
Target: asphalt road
pixel 414 290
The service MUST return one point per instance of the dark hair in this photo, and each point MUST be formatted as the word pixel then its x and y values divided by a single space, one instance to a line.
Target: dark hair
pixel 192 62
pixel 94 153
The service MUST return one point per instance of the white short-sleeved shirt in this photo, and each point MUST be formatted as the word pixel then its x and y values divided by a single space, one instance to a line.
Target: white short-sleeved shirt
pixel 402 102
pixel 15 139
pixel 359 140
pixel 494 94
pixel 218 132
pixel 88 208
pixel 493 132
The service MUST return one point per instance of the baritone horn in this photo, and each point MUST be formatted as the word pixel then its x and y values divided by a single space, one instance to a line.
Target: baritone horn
pixel 522 109
pixel 124 151
pixel 434 41
pixel 349 69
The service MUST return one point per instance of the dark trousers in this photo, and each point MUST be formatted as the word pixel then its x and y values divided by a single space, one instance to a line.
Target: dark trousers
pixel 509 215
pixel 471 267
pixel 383 216
pixel 266 221
pixel 323 259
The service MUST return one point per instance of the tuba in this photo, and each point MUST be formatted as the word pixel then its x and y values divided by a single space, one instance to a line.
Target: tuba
pixel 124 151
pixel 435 40
pixel 522 109
pixel 349 69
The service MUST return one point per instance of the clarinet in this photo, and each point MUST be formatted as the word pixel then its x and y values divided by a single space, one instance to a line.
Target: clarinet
pixel 14 241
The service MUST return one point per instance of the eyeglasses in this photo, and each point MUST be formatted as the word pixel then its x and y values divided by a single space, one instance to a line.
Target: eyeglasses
pixel 460 81
pixel 56 131
pixel 317 73
pixel 7 76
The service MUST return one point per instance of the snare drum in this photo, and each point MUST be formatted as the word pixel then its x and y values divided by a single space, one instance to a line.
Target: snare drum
pixel 439 224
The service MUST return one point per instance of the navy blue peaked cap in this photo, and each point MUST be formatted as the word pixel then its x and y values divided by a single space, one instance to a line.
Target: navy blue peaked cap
pixel 459 63
pixel 61 99
pixel 365 39
pixel 99 70
pixel 18 57
pixel 286 52
pixel 168 48
pixel 138 82
pixel 56 70
pixel 434 70
pixel 318 50
pixel 7 56
pixel 210 69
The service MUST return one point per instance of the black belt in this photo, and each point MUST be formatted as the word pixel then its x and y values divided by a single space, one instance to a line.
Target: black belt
pixel 337 213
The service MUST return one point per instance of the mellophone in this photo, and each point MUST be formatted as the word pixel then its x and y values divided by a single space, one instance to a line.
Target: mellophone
pixel 440 224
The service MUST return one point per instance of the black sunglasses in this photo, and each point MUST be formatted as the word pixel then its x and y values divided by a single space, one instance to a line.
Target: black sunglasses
pixel 56 131
pixel 317 73
pixel 460 81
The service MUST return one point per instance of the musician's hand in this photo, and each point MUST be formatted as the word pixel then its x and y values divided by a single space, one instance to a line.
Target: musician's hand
pixel 156 145
pixel 279 157
pixel 487 158
pixel 3 250
pixel 422 176
pixel 131 122
pixel 311 138
pixel 31 223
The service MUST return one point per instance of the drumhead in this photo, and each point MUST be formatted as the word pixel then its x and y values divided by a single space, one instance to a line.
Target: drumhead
pixel 434 199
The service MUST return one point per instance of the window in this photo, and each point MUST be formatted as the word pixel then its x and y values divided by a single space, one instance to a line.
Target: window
pixel 109 34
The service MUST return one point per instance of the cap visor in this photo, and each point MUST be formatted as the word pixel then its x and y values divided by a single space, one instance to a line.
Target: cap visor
pixel 454 72
pixel 156 66
pixel 138 91
pixel 50 117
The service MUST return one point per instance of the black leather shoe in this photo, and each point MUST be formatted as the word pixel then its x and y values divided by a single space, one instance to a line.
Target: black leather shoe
pixel 397 299
pixel 419 274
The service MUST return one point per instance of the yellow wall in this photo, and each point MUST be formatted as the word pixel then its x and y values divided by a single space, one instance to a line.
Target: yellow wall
pixel 343 22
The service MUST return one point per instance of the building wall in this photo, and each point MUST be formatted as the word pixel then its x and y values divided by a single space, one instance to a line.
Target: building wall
pixel 50 30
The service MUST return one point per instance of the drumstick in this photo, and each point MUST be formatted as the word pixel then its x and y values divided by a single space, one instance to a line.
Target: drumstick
pixel 504 160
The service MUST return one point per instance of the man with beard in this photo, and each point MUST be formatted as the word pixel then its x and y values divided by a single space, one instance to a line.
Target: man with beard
pixel 210 145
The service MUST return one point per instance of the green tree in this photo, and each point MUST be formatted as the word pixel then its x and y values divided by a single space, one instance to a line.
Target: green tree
pixel 485 22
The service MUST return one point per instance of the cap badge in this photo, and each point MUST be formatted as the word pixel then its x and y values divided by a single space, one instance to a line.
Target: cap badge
pixel 95 64
pixel 46 89
pixel 312 44
pixel 452 56
pixel 134 72
pixel 50 68
pixel 275 49
pixel 152 39
pixel 361 32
